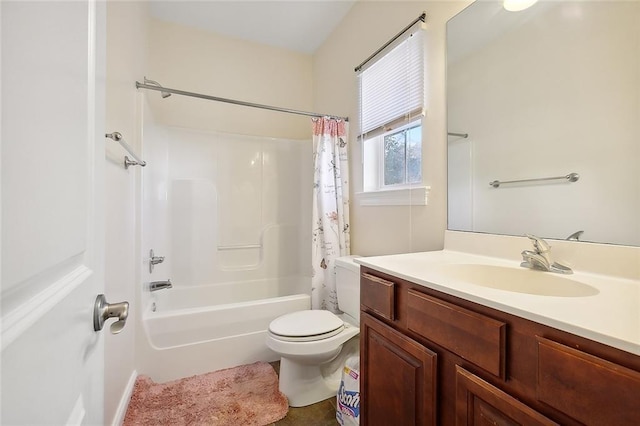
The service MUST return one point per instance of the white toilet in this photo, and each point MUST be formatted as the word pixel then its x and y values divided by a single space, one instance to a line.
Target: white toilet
pixel 313 345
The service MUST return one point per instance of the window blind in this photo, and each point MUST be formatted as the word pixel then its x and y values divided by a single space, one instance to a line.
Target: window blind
pixel 392 88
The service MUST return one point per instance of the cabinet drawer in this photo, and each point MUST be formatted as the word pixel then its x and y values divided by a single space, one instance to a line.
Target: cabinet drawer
pixel 377 294
pixel 474 337
pixel 589 389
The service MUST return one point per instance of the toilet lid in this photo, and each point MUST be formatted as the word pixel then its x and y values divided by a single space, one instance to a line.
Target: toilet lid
pixel 306 324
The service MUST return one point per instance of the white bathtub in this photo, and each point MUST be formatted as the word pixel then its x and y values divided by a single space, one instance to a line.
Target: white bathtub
pixel 194 330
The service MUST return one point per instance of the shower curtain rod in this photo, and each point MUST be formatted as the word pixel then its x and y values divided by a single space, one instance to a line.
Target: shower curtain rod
pixel 233 101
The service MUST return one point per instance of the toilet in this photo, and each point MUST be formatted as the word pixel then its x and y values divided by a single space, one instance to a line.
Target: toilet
pixel 313 345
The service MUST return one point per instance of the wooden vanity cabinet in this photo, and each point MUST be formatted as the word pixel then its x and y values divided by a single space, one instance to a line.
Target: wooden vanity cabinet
pixel 479 403
pixel 401 377
pixel 428 358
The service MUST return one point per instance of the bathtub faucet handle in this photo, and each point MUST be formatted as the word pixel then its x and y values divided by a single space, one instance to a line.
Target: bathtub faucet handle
pixel 154 260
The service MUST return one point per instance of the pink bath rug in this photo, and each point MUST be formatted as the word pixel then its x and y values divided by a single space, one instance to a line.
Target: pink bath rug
pixel 244 395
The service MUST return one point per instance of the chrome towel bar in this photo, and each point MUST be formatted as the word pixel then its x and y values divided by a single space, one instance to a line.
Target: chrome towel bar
pixel 462 135
pixel 571 177
pixel 117 136
pixel 241 247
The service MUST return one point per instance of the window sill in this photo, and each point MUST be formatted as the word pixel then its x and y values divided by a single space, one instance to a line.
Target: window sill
pixel 416 196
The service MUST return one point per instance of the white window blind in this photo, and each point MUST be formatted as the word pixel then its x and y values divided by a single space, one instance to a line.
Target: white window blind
pixel 392 88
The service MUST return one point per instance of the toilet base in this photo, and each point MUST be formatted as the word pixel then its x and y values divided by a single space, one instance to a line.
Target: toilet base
pixel 305 384
pixel 307 380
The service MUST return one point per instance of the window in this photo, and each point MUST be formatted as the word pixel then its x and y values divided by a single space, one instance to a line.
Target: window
pixel 403 156
pixel 391 111
pixel 393 159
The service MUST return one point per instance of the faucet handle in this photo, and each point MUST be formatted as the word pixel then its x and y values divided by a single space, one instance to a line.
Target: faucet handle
pixel 539 244
pixel 575 236
pixel 154 260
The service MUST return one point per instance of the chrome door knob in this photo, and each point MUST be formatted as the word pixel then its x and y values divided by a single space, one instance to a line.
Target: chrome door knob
pixel 102 311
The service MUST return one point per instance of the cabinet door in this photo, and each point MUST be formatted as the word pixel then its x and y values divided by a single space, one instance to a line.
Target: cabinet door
pixel 398 385
pixel 608 392
pixel 478 403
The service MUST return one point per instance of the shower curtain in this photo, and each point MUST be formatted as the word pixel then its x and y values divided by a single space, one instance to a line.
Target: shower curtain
pixel 330 208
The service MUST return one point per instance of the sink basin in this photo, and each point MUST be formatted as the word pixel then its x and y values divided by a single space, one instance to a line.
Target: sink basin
pixel 519 280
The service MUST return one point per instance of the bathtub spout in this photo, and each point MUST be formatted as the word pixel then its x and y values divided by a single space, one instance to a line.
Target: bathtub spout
pixel 159 285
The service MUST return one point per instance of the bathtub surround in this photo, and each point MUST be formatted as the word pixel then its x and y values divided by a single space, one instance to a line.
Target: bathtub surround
pixel 227 211
pixel 223 207
pixel 245 395
pixel 330 209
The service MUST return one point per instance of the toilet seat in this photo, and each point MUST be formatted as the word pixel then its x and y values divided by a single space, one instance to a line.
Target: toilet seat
pixel 306 326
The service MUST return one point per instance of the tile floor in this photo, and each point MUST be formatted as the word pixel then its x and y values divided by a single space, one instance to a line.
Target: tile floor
pixel 322 413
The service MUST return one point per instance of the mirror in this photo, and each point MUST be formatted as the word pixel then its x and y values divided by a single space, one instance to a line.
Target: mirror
pixel 543 93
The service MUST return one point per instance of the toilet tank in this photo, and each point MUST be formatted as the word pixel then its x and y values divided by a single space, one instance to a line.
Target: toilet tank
pixel 348 286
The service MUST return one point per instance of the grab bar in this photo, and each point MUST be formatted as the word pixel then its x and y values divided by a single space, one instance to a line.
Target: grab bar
pixel 240 247
pixel 117 136
pixel 571 177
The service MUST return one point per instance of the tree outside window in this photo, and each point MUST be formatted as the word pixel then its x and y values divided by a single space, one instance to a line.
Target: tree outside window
pixel 402 157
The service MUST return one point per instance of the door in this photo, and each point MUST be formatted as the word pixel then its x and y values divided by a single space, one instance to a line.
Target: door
pixel 478 403
pixel 52 231
pixel 398 377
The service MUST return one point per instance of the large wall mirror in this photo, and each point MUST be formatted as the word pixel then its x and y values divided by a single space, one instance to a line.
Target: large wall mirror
pixel 547 92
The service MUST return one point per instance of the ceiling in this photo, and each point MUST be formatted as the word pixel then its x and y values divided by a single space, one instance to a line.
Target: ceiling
pixel 301 25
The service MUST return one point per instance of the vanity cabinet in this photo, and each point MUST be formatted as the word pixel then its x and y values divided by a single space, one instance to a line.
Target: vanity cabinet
pixel 399 367
pixel 479 403
pixel 429 358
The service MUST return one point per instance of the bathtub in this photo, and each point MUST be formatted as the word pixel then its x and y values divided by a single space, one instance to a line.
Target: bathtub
pixel 194 330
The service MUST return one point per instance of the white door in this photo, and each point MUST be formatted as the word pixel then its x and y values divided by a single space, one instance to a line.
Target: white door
pixel 52 230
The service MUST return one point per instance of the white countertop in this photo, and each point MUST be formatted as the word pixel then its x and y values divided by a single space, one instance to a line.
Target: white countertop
pixel 612 316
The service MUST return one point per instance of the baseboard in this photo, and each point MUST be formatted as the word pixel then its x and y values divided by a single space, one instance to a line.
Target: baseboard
pixel 124 401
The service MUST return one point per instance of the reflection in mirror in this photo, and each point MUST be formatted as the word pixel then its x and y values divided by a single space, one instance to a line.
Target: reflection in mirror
pixel 545 92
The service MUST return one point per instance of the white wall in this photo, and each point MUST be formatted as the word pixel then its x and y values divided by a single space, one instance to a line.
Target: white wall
pixel 126 62
pixel 189 59
pixel 368 25
pixel 560 103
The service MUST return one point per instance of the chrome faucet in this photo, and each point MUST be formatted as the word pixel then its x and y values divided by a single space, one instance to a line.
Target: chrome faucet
pixel 159 285
pixel 540 258
pixel 575 236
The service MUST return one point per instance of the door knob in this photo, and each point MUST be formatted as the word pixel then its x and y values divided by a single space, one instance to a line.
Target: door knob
pixel 102 311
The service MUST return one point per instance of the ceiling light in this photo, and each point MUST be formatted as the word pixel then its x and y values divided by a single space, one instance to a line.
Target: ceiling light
pixel 518 5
